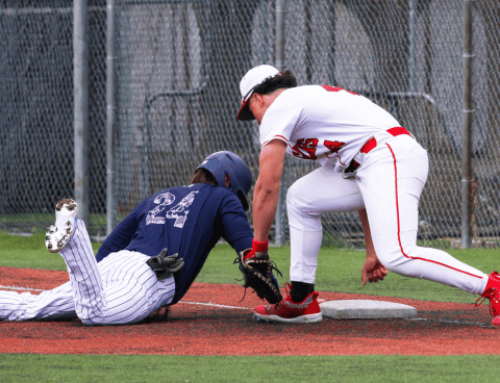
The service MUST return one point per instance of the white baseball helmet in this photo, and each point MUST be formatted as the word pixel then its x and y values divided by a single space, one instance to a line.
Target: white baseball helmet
pixel 254 77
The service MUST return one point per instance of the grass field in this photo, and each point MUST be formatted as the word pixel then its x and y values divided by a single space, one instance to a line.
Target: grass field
pixel 339 270
pixel 184 369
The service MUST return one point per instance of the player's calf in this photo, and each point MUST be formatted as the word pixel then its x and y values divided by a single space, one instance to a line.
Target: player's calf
pixel 59 234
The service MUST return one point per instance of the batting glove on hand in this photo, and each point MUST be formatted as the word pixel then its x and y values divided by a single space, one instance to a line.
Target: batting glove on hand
pixel 165 265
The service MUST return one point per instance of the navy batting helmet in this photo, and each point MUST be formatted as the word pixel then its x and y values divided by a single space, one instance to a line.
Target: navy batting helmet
pixel 222 164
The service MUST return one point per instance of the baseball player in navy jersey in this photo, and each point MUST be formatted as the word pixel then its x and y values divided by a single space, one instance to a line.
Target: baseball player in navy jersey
pixel 133 273
pixel 368 163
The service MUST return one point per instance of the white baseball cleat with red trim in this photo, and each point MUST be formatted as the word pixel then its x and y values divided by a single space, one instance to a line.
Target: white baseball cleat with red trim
pixel 59 234
pixel 288 311
pixel 492 292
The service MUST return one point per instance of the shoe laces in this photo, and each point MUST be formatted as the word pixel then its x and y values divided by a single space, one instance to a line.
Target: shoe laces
pixel 494 297
pixel 287 287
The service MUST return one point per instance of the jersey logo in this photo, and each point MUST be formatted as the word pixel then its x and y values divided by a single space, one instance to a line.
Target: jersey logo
pixel 305 148
pixel 181 210
pixel 163 200
pixel 334 146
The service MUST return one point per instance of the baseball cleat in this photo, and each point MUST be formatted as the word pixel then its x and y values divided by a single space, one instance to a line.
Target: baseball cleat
pixel 492 292
pixel 59 234
pixel 288 311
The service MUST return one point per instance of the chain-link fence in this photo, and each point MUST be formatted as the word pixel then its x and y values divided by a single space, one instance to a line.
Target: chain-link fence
pixel 177 67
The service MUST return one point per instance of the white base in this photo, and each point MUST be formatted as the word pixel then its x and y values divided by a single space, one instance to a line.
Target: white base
pixel 366 309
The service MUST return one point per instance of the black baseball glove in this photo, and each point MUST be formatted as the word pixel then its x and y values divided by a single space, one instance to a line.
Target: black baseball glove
pixel 257 271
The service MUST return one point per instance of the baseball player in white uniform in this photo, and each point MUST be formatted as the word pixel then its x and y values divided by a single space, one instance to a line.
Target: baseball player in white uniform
pixel 368 163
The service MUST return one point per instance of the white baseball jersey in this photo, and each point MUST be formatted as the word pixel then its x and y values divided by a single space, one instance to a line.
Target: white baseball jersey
pixel 324 123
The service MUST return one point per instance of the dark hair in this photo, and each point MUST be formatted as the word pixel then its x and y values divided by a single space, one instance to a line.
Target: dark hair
pixel 282 80
pixel 203 176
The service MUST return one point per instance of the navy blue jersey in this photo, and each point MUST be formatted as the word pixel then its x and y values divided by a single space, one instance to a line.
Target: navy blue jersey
pixel 188 220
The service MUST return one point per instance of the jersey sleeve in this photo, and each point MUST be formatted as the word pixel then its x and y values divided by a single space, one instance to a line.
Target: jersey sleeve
pixel 280 120
pixel 120 237
pixel 236 229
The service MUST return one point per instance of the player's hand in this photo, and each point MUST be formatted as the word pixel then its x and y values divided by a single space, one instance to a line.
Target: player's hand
pixel 164 265
pixel 373 270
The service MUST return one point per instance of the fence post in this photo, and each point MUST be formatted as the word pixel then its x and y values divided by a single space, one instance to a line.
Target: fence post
pixel 81 107
pixel 280 65
pixel 413 49
pixel 110 117
pixel 467 126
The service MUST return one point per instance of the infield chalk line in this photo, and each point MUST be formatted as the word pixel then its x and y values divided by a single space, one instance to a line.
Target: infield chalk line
pixel 448 321
pixel 215 305
pixel 19 288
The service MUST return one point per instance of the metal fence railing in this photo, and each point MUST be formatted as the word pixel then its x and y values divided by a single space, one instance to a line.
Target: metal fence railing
pixel 163 92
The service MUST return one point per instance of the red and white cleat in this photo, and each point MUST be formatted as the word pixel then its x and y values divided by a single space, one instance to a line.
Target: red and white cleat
pixel 59 234
pixel 288 311
pixel 492 292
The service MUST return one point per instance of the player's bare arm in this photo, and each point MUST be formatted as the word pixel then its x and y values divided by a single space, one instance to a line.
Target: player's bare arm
pixel 373 270
pixel 267 188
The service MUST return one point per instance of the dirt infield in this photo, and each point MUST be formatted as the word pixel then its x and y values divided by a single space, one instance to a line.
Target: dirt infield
pixel 210 320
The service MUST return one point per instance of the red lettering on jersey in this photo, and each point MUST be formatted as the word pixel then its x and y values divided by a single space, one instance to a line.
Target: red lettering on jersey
pixel 305 148
pixel 334 146
pixel 330 88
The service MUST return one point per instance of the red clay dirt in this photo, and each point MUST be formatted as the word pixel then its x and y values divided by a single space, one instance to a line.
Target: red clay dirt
pixel 195 329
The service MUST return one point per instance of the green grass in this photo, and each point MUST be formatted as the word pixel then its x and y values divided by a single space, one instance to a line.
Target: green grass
pixel 29 252
pixel 182 369
pixel 339 269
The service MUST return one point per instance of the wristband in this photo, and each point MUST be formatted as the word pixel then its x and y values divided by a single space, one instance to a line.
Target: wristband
pixel 260 247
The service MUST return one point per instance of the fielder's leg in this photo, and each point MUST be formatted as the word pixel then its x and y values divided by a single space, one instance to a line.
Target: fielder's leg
pixel 391 180
pixel 308 197
pixel 311 195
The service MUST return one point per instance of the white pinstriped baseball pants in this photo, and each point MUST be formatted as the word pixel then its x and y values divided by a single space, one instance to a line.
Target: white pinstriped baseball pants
pixel 388 184
pixel 120 289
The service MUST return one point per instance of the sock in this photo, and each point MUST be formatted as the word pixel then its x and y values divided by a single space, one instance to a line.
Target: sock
pixel 300 291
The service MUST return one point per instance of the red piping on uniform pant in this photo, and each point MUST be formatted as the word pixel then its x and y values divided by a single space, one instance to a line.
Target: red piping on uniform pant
pixel 399 229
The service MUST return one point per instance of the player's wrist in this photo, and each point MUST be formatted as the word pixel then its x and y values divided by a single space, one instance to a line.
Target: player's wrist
pixel 260 247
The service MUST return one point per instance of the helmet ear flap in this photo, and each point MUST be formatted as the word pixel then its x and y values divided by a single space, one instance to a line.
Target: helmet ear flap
pixel 243 199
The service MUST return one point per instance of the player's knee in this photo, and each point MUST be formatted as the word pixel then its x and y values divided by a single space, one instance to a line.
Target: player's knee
pixel 91 315
pixel 295 203
pixel 292 195
pixel 393 257
pixel 389 255
pixel 87 318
